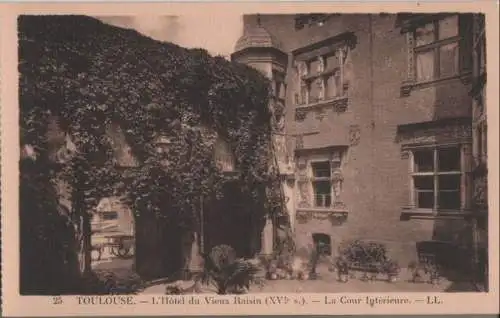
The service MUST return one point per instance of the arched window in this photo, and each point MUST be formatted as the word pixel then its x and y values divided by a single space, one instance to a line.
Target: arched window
pixel 322 243
pixel 223 156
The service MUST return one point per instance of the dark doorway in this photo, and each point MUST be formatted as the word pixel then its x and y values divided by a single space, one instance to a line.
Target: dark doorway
pixel 228 221
pixel 322 243
pixel 158 248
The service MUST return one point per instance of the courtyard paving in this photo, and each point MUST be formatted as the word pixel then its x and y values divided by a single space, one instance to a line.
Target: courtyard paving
pixel 326 283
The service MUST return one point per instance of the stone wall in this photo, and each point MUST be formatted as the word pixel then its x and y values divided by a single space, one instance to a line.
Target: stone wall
pixel 376 180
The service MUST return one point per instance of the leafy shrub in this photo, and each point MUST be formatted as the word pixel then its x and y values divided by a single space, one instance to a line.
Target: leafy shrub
pixel 227 274
pixel 89 76
pixel 363 253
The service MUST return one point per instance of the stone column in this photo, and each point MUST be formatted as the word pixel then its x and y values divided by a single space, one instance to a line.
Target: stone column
pixel 267 238
pixel 195 261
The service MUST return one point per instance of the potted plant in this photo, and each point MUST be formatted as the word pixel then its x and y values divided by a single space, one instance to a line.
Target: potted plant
pixel 342 270
pixel 434 275
pixel 229 275
pixel 392 270
pixel 416 271
pixel 272 270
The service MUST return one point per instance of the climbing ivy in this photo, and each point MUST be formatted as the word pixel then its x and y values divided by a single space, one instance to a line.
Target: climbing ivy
pixel 89 75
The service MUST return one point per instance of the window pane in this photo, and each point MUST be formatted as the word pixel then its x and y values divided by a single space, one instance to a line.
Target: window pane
pixel 333 86
pixel 321 169
pixel 424 35
pixel 107 216
pixel 322 193
pixel 449 159
pixel 303 94
pixel 313 66
pixel 423 160
pixel 425 65
pixel 448 27
pixel 449 182
pixel 425 200
pixel 323 200
pixel 314 91
pixel 424 183
pixel 449 200
pixel 448 60
pixel 331 62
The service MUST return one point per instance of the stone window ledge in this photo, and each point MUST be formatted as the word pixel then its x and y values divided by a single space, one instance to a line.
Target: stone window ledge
pixel 409 213
pixel 338 104
pixel 339 212
pixel 410 85
pixel 334 216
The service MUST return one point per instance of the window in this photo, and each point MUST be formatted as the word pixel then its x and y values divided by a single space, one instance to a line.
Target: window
pixel 322 183
pixel 109 215
pixel 322 243
pixel 437 178
pixel 321 78
pixel 223 156
pixel 437 49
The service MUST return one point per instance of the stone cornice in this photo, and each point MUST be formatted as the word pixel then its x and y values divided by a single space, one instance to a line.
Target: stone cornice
pixel 339 105
pixel 325 46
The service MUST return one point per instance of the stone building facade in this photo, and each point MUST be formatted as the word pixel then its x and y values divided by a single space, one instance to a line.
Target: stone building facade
pixel 375 138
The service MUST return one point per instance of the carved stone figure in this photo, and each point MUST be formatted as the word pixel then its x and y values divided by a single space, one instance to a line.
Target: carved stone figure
pixel 303 194
pixel 337 180
pixel 321 64
pixel 280 148
pixel 301 68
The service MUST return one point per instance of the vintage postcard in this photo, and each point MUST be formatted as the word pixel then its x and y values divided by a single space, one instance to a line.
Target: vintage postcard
pixel 249 158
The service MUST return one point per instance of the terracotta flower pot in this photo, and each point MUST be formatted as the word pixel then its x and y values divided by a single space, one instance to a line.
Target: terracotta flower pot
pixel 343 278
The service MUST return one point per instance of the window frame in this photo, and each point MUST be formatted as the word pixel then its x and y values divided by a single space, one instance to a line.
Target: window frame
pixel 104 218
pixel 315 179
pixel 308 77
pixel 435 47
pixel 436 173
pixel 224 157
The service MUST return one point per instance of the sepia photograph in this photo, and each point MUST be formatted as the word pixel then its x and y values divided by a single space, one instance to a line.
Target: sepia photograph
pixel 318 152
pixel 296 160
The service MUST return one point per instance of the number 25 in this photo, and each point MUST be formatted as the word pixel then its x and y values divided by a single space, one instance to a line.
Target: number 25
pixel 57 300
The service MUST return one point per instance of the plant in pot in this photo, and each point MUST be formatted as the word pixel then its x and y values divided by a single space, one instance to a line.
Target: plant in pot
pixel 416 271
pixel 434 274
pixel 272 270
pixel 342 267
pixel 392 270
pixel 228 274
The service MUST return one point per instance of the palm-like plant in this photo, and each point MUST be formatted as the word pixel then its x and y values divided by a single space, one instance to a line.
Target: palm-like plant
pixel 228 274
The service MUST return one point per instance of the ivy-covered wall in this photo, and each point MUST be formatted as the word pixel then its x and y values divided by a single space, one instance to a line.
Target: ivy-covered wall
pixel 90 76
